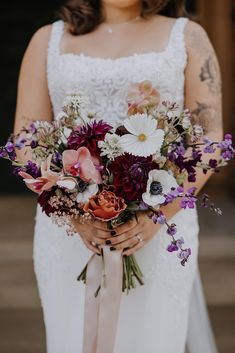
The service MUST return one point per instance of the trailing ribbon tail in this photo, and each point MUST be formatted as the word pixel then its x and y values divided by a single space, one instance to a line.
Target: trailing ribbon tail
pixel 102 312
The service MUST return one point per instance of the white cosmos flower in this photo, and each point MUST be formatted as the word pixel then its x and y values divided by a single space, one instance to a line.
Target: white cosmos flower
pixel 159 183
pixel 84 196
pixel 144 138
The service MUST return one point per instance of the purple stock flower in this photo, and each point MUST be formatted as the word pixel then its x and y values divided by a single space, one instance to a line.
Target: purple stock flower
pixel 183 255
pixel 227 154
pixel 16 170
pixel 189 199
pixel 196 155
pixel 227 149
pixel 213 163
pixel 209 147
pixel 187 164
pixel 191 191
pixel 57 158
pixel 9 147
pixel 172 247
pixel 32 169
pixel 205 200
pixel 158 217
pixel 180 242
pixel 34 144
pixel 188 202
pixel 173 194
pixel 3 152
pixel 175 245
pixel 143 206
pixel 227 142
pixel 180 149
pixel 172 230
pixel 20 143
pixel 32 128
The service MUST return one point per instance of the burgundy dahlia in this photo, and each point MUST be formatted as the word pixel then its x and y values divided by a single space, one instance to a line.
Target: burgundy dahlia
pixel 89 135
pixel 44 199
pixel 131 175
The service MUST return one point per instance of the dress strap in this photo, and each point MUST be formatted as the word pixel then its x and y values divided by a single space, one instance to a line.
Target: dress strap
pixel 55 38
pixel 176 43
pixel 177 32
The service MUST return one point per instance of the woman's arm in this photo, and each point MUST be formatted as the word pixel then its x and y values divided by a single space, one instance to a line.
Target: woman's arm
pixel 33 102
pixel 203 98
pixel 203 95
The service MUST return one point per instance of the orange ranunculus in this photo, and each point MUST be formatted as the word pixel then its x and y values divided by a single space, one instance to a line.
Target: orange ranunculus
pixel 105 206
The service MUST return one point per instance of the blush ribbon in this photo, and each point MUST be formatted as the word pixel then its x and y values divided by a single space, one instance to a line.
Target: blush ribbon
pixel 102 312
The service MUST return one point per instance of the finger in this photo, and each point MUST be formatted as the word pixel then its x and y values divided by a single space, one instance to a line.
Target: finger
pixel 99 225
pixel 120 238
pixel 126 227
pixel 99 241
pixel 135 248
pixel 127 243
pixel 101 234
pixel 91 247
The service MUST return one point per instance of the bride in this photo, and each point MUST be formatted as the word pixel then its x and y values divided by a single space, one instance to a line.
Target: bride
pixel 98 48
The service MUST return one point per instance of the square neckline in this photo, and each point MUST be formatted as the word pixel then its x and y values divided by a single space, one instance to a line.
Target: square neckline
pixel 120 58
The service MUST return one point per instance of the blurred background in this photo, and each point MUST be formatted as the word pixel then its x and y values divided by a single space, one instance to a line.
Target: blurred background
pixel 21 321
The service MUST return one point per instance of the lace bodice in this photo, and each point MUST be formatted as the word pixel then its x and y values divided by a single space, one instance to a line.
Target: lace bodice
pixel 106 81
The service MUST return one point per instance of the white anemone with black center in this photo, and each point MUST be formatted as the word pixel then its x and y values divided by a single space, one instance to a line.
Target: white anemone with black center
pixel 159 183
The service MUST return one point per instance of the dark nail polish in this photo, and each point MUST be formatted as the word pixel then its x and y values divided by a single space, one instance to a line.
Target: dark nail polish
pixel 112 248
pixel 108 242
pixel 98 254
pixel 113 232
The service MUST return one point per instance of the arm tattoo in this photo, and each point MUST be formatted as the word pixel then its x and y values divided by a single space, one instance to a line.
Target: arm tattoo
pixel 207 116
pixel 208 108
pixel 210 71
pixel 209 74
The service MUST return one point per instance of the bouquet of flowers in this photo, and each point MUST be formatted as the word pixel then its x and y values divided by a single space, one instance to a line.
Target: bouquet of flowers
pixel 83 168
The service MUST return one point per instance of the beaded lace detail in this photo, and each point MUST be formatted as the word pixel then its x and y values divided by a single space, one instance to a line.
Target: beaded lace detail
pixel 106 81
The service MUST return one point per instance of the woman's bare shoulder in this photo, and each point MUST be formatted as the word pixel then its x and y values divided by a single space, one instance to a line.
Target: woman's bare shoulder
pixel 38 43
pixel 196 38
pixel 41 37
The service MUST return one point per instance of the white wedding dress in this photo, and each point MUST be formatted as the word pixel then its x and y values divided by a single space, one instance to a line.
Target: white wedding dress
pixel 154 317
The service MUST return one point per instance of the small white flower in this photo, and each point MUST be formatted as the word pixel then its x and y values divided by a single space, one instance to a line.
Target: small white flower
pixel 197 133
pixel 90 191
pixel 111 146
pixel 171 114
pixel 159 183
pixel 186 122
pixel 42 124
pixel 159 159
pixel 61 115
pixel 144 138
pixel 76 101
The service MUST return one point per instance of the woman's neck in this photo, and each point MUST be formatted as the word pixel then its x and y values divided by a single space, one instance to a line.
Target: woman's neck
pixel 115 15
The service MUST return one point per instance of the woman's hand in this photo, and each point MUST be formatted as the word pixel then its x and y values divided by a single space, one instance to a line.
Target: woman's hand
pixel 93 234
pixel 133 235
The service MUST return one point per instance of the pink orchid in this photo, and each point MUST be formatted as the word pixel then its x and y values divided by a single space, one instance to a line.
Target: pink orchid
pixel 81 163
pixel 46 181
pixel 142 97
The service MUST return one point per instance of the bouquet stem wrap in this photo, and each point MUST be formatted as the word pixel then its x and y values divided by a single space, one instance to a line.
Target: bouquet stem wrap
pixel 102 312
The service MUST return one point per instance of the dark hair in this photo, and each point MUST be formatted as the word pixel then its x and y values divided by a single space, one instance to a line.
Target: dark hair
pixel 83 16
